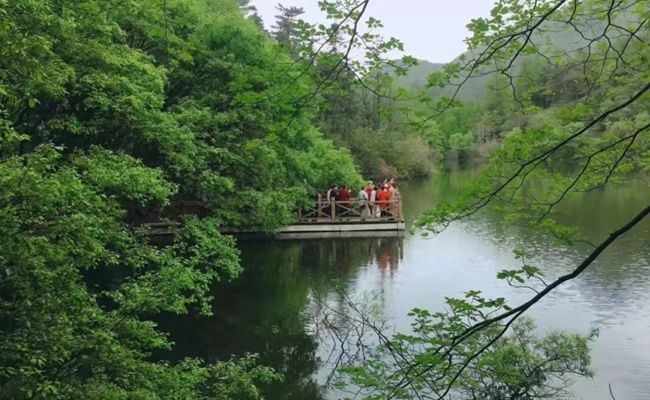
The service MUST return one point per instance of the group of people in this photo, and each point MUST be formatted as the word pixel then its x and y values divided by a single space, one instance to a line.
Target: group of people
pixel 373 200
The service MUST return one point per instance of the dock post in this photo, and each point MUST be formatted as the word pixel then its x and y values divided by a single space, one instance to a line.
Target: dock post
pixel 320 206
pixel 333 207
pixel 399 206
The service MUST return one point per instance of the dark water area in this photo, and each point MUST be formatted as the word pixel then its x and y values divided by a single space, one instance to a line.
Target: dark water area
pixel 266 310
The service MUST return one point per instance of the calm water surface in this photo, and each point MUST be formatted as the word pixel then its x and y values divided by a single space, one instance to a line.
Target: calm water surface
pixel 264 311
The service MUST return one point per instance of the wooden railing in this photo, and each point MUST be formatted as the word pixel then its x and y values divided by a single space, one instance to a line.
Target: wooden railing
pixel 353 210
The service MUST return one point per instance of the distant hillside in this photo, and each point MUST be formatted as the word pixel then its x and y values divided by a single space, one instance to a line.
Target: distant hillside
pixel 417 75
pixel 474 89
pixel 558 37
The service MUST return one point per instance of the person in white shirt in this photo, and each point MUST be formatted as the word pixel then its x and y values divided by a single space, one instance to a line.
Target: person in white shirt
pixel 371 201
pixel 331 193
pixel 332 196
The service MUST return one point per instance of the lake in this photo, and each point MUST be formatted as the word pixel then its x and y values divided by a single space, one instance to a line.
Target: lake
pixel 265 310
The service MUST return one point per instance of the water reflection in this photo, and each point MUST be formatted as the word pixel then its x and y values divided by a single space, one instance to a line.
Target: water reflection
pixel 613 294
pixel 261 312
pixel 345 254
pixel 266 310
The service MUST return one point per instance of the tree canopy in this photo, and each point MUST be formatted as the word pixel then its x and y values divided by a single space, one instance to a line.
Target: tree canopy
pixel 112 113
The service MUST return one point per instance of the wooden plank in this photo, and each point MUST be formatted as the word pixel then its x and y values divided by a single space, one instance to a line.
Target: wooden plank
pixel 338 235
pixel 343 227
pixel 350 220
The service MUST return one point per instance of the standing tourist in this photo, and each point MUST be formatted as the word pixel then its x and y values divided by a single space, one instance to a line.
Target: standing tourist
pixel 392 196
pixel 332 195
pixel 369 188
pixel 371 200
pixel 363 203
pixel 344 196
pixel 382 201
pixel 344 200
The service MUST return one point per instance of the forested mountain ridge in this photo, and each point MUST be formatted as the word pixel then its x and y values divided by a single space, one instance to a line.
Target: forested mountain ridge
pixel 557 38
pixel 417 75
pixel 543 88
pixel 417 78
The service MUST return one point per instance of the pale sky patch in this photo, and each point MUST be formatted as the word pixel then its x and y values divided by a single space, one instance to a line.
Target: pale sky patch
pixel 431 30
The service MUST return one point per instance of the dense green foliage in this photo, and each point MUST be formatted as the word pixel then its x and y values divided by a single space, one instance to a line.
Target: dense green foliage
pixel 359 103
pixel 374 128
pixel 78 283
pixel 113 113
pixel 522 365
pixel 192 89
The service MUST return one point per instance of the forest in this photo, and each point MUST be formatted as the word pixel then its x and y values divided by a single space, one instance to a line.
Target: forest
pixel 116 113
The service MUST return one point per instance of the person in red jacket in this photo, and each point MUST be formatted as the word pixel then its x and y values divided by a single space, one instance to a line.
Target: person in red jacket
pixel 344 196
pixel 382 200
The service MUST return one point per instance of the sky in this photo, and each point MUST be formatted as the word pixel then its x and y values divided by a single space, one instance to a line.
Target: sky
pixel 431 30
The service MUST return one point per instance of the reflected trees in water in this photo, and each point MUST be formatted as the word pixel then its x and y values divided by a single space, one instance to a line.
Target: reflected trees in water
pixel 270 309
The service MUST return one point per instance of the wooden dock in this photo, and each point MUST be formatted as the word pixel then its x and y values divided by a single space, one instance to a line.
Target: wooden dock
pixel 341 218
pixel 325 231
pixel 323 219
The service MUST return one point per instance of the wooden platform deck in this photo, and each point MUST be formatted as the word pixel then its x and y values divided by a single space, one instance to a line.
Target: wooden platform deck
pixel 344 217
pixel 346 226
pixel 339 234
pixel 323 219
